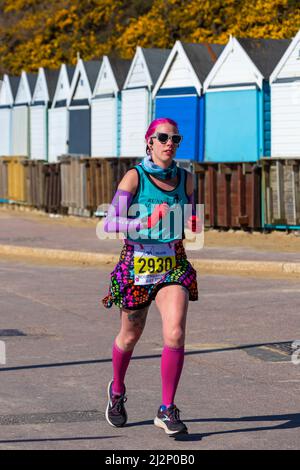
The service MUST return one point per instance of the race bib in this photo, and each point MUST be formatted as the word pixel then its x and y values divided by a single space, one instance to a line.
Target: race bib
pixel 151 263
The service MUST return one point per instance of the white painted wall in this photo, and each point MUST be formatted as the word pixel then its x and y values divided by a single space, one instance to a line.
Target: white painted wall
pixel 134 122
pixel 236 68
pixel 179 74
pixel 139 76
pixel 5 131
pixel 104 127
pixel 38 132
pixel 285 120
pixel 291 68
pixel 58 133
pixel 20 131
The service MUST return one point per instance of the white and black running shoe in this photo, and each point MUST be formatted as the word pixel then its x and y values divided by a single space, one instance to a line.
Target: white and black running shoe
pixel 115 411
pixel 169 420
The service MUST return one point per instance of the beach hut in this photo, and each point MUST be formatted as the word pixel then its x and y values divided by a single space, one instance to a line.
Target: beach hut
pixel 106 107
pixel 237 112
pixel 79 105
pixel 285 103
pixel 58 115
pixel 7 96
pixel 137 106
pixel 20 115
pixel 42 98
pixel 178 93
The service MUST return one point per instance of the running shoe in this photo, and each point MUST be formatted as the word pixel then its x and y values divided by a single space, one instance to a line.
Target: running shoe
pixel 115 411
pixel 169 420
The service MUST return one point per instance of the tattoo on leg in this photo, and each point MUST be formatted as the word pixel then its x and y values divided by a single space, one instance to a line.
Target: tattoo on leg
pixel 138 318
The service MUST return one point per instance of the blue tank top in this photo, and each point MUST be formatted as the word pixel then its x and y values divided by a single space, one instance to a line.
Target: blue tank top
pixel 147 196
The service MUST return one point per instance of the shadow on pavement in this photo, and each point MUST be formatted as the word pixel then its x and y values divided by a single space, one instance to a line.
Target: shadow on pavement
pixel 138 358
pixel 291 421
pixel 61 439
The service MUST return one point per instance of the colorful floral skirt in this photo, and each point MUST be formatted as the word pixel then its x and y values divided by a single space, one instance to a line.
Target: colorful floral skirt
pixel 125 294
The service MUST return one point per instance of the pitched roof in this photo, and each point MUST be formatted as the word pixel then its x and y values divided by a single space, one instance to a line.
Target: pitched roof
pixel 92 68
pixel 32 78
pixel 120 68
pixel 14 83
pixel 155 59
pixel 51 78
pixel 265 53
pixel 202 57
pixel 70 72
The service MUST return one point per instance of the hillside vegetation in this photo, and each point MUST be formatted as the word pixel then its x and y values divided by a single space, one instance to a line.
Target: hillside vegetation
pixel 36 33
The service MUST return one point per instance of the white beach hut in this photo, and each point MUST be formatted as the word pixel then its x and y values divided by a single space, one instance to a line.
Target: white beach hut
pixel 7 96
pixel 20 115
pixel 285 103
pixel 58 115
pixel 106 107
pixel 79 105
pixel 42 98
pixel 137 104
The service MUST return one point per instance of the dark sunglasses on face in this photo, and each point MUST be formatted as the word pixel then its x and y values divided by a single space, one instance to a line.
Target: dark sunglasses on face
pixel 163 138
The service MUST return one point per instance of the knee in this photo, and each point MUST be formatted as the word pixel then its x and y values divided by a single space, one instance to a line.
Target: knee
pixel 127 341
pixel 175 337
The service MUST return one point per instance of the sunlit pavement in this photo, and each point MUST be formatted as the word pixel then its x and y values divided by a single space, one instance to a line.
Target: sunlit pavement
pixel 239 388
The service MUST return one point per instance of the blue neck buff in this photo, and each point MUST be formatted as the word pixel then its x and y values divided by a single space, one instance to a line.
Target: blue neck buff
pixel 155 170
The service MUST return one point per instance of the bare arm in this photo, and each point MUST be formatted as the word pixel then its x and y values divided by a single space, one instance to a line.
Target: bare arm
pixel 130 181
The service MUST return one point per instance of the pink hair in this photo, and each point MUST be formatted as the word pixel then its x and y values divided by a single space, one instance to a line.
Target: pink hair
pixel 154 124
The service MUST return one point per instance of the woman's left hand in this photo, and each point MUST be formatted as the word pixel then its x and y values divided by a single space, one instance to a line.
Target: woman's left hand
pixel 193 224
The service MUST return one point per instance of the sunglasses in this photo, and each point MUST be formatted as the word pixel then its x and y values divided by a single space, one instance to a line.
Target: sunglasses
pixel 163 138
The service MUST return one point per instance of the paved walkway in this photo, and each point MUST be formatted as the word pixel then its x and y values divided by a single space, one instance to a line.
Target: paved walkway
pixel 19 229
pixel 239 388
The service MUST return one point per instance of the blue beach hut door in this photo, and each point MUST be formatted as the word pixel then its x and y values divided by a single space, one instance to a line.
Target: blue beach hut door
pixel 233 124
pixel 184 107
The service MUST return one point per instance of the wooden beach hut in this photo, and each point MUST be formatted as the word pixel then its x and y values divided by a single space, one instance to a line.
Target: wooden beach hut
pixel 106 107
pixel 42 98
pixel 20 115
pixel 237 112
pixel 79 106
pixel 137 105
pixel 7 96
pixel 178 93
pixel 58 115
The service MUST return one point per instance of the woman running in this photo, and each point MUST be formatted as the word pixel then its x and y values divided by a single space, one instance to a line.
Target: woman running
pixel 152 265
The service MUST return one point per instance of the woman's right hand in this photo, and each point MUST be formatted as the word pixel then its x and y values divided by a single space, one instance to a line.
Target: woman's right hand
pixel 160 212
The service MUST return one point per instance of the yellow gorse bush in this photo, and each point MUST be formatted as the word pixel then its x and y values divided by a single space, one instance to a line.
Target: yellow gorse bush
pixel 36 33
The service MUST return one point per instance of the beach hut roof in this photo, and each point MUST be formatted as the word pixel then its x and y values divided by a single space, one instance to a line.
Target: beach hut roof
pixel 152 61
pixel 51 79
pixel 92 68
pixel 120 68
pixel 9 88
pixel 14 83
pixel 291 49
pixel 256 61
pixel 25 88
pixel 265 53
pixel 70 71
pixel 155 60
pixel 200 57
pixel 32 78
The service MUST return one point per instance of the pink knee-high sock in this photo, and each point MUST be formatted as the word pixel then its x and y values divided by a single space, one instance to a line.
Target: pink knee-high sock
pixel 171 366
pixel 120 360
